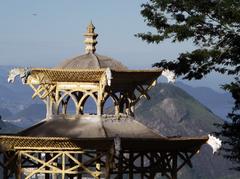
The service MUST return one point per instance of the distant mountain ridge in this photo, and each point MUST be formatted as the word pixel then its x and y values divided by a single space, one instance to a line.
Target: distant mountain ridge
pixel 15 97
pixel 174 107
pixel 219 103
pixel 30 115
pixel 173 112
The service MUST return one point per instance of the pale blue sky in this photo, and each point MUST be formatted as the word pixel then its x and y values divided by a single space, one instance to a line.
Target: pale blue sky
pixel 42 33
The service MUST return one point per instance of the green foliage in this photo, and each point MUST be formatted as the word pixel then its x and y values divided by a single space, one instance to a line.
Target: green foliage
pixel 214 28
pixel 212 25
pixel 231 131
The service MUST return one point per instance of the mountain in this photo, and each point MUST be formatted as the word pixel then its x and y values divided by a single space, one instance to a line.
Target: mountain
pixel 6 127
pixel 173 112
pixel 13 97
pixel 28 116
pixel 4 112
pixel 219 103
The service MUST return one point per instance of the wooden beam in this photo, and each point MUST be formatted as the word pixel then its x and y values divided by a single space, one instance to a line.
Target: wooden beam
pixel 187 160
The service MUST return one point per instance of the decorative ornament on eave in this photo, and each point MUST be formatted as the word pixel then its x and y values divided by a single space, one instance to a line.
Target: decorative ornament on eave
pixel 214 142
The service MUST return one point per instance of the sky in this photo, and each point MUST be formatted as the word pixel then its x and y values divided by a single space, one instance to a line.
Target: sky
pixel 43 33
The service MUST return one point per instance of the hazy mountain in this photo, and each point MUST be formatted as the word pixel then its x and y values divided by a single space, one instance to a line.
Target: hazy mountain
pixel 14 97
pixel 28 116
pixel 6 127
pixel 173 112
pixel 4 112
pixel 219 103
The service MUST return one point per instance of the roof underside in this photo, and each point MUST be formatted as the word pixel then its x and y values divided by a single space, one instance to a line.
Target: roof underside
pixel 63 75
pixel 180 144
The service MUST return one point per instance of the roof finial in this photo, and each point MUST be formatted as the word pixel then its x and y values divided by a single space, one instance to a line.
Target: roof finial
pixel 90 40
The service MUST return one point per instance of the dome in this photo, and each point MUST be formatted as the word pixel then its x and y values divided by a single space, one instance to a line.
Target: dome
pixel 91 61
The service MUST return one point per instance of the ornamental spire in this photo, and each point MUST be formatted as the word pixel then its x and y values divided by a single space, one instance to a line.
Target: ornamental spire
pixel 90 39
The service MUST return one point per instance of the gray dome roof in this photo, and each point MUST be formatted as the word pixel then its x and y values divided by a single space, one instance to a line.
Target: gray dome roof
pixel 91 61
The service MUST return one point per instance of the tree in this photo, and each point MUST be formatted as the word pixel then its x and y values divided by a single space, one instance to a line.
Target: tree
pixel 214 28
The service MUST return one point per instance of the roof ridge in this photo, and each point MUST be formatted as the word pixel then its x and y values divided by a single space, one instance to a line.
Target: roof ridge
pixel 97 59
pixel 154 131
pixel 104 129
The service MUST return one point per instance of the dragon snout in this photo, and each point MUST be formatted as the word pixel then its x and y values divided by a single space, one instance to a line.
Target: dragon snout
pixel 10 80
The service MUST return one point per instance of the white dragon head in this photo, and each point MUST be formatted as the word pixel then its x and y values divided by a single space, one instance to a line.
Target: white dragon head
pixel 170 75
pixel 214 142
pixel 12 75
pixel 22 72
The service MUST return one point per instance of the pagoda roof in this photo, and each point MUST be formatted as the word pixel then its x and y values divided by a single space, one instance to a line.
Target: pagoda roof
pixel 91 126
pixel 91 61
pixel 46 75
pixel 97 133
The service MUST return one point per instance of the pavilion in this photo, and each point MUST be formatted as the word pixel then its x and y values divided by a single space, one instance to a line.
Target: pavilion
pixel 104 144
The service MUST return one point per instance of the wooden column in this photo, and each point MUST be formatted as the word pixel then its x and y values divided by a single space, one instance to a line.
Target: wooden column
pixel 131 163
pixel 79 157
pixel 116 107
pixel 99 102
pixel 63 165
pixel 5 168
pixel 49 106
pixel 98 164
pixel 142 165
pixel 99 108
pixel 18 172
pixel 71 165
pixel 107 165
pixel 47 157
pixel 120 165
pixel 174 166
pixel 152 168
